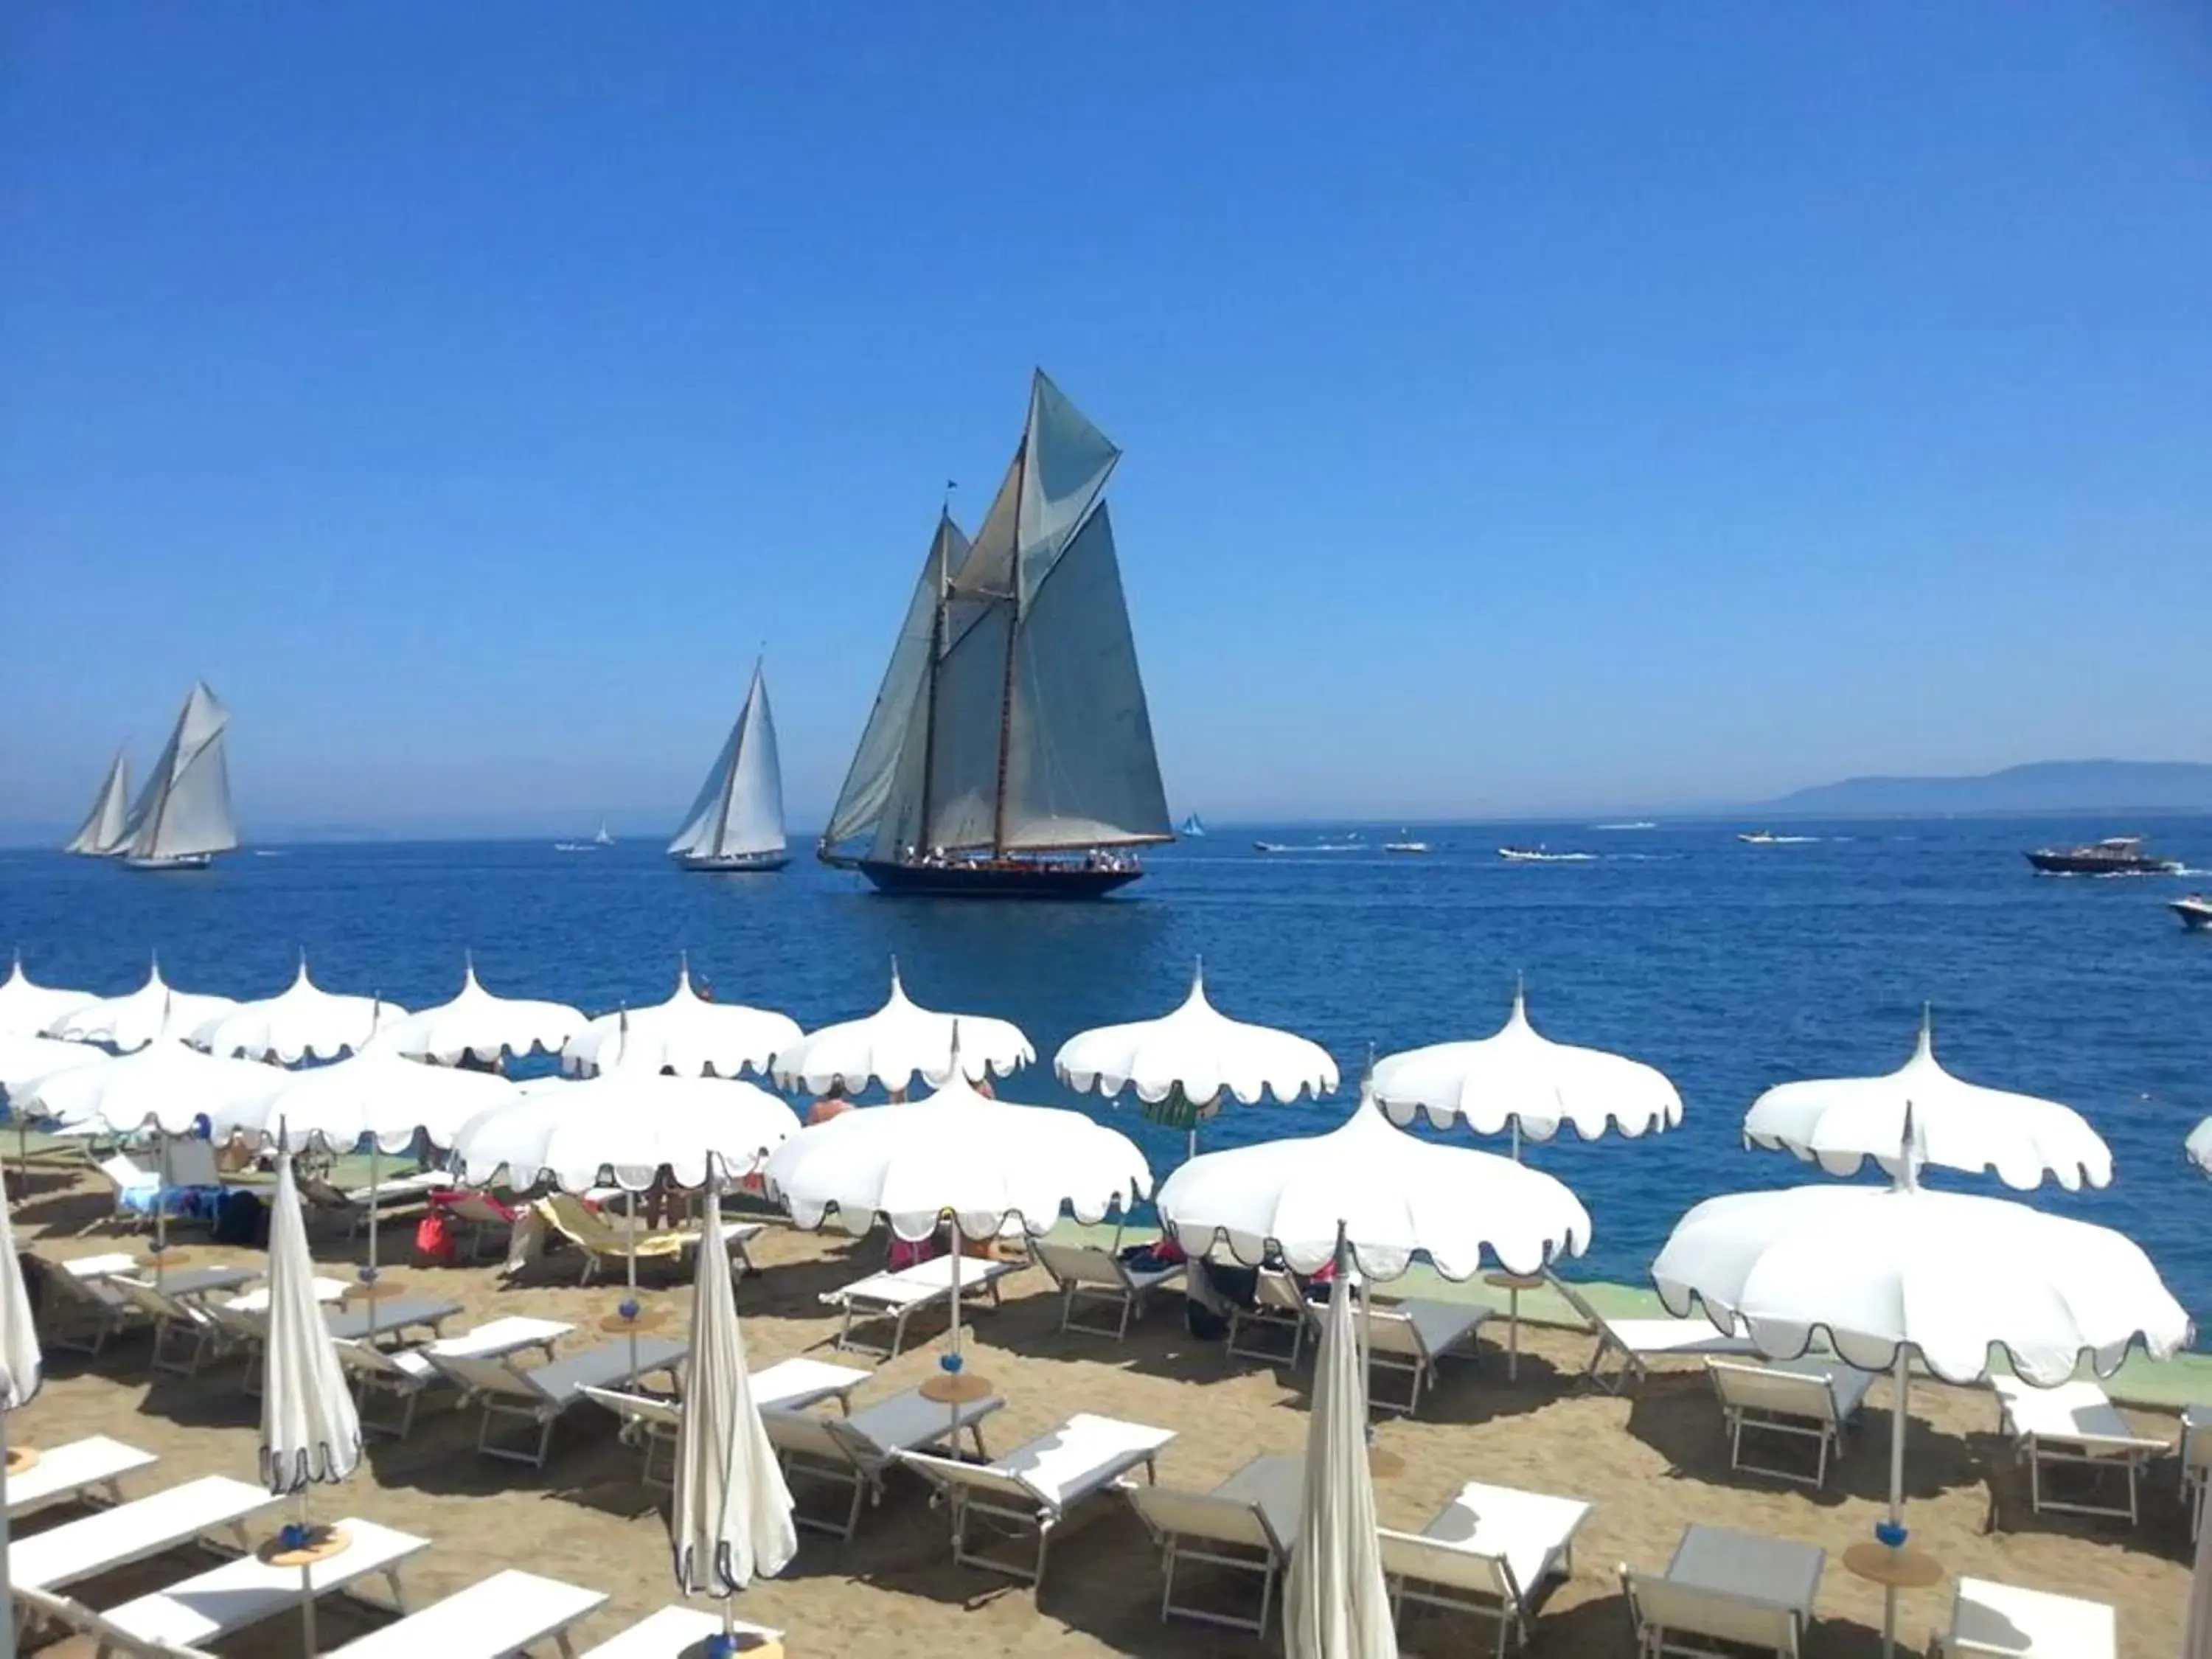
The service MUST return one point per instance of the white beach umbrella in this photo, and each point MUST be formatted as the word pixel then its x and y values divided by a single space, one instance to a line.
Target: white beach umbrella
pixel 301 1022
pixel 1336 1604
pixel 22 1370
pixel 27 1009
pixel 626 1123
pixel 164 1083
pixel 1186 1064
pixel 2199 1146
pixel 898 1042
pixel 475 1024
pixel 23 1061
pixel 135 1019
pixel 310 1431
pixel 1840 1123
pixel 686 1034
pixel 731 1513
pixel 1520 1081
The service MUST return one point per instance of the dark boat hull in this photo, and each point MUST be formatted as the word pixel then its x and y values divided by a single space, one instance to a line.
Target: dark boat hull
pixel 2057 863
pixel 1012 880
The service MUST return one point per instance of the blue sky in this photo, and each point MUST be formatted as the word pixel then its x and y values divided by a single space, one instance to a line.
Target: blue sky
pixel 1525 408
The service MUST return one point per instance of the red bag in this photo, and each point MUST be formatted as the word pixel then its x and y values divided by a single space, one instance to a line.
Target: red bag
pixel 434 1239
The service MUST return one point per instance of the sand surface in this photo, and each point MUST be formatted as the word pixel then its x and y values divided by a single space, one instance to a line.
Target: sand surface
pixel 1651 1465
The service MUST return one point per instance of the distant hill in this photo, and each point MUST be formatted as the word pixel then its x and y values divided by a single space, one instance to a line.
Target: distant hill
pixel 2041 787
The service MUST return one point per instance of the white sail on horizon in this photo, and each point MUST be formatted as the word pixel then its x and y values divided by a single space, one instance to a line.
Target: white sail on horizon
pixel 102 834
pixel 184 810
pixel 739 809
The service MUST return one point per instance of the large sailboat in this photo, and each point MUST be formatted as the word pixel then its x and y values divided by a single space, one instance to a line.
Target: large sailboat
pixel 101 834
pixel 737 822
pixel 182 819
pixel 1010 752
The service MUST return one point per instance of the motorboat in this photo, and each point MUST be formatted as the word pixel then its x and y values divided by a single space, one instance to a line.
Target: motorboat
pixel 2115 855
pixel 2195 910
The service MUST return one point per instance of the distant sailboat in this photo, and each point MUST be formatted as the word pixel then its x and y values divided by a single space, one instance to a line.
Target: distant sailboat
pixel 602 838
pixel 1194 828
pixel 1010 751
pixel 101 834
pixel 737 822
pixel 183 815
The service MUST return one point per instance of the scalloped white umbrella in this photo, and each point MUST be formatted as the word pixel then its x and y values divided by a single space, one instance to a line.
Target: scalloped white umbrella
pixel 1186 1065
pixel 23 1061
pixel 627 1121
pixel 22 1371
pixel 686 1034
pixel 164 1083
pixel 301 1022
pixel 136 1018
pixel 1840 1123
pixel 475 1024
pixel 1520 1081
pixel 27 1008
pixel 899 1041
pixel 2198 1146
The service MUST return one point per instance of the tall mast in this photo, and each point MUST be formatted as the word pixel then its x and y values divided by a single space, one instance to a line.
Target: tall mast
pixel 929 697
pixel 1013 632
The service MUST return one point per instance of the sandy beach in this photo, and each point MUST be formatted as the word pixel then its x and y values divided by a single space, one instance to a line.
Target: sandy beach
pixel 1651 1464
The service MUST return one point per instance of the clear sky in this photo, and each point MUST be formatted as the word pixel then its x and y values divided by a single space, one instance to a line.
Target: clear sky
pixel 1525 407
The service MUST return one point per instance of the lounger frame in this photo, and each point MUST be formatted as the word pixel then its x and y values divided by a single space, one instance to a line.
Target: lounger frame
pixel 1803 1404
pixel 2076 1448
pixel 1214 1531
pixel 1085 1273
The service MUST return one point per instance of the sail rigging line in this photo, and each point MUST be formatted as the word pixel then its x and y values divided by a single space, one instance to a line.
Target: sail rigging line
pixel 1014 638
pixel 936 652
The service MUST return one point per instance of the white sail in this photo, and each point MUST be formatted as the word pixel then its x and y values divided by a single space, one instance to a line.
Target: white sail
pixel 101 833
pixel 184 808
pixel 740 807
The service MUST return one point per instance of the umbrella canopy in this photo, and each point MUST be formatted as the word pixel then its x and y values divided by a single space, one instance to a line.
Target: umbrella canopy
pixel 1184 1064
pixel 1394 1194
pixel 25 1060
pixel 475 1024
pixel 730 1514
pixel 1840 1123
pixel 376 1093
pixel 21 1368
pixel 133 1020
pixel 309 1429
pixel 629 1121
pixel 897 1043
pixel 301 1022
pixel 2199 1146
pixel 987 1161
pixel 27 1009
pixel 163 1083
pixel 1520 1081
pixel 686 1034
pixel 1336 1604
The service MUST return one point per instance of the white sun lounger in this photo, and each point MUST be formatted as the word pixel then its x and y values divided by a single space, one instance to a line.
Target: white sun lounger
pixel 176 1319
pixel 107 1640
pixel 899 1296
pixel 2024 1623
pixel 1411 1337
pixel 1640 1341
pixel 1246 1524
pixel 1731 1587
pixel 2075 1424
pixel 1280 1305
pixel 539 1397
pixel 1811 1397
pixel 406 1374
pixel 131 1532
pixel 854 1451
pixel 80 1311
pixel 1084 1273
pixel 492 1618
pixel 651 1423
pixel 245 1591
pixel 70 1473
pixel 1492 1551
pixel 677 1633
pixel 1033 1488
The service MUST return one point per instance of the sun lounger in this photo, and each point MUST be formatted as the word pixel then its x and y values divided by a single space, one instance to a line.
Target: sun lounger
pixel 539 1397
pixel 1640 1341
pixel 1035 1487
pixel 1493 1552
pixel 71 1473
pixel 899 1296
pixel 650 1422
pixel 357 1321
pixel 131 1532
pixel 108 1265
pixel 1087 1274
pixel 602 1242
pixel 1813 1398
pixel 492 1618
pixel 1279 1306
pixel 80 1313
pixel 1729 1587
pixel 854 1451
pixel 133 1187
pixel 102 1640
pixel 678 1633
pixel 1412 1336
pixel 245 1591
pixel 2024 1623
pixel 2075 1424
pixel 179 1320
pixel 401 1198
pixel 1246 1524
pixel 406 1375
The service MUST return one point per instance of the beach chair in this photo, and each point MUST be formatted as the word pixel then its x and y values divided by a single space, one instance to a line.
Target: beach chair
pixel 101 1639
pixel 2074 1425
pixel 402 1199
pixel 897 1297
pixel 1640 1341
pixel 652 1423
pixel 539 1397
pixel 492 1618
pixel 1809 1398
pixel 1493 1552
pixel 177 1320
pixel 406 1375
pixel 133 1187
pixel 1411 1337
pixel 75 1472
pixel 204 1609
pixel 1738 1589
pixel 477 1217
pixel 679 1633
pixel 131 1532
pixel 1247 1524
pixel 854 1452
pixel 1084 1273
pixel 602 1242
pixel 1037 1486
pixel 1279 1305
pixel 1990 1619
pixel 80 1314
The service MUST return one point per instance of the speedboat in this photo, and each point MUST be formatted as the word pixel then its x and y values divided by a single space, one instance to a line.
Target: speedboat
pixel 2115 855
pixel 2195 910
pixel 1539 855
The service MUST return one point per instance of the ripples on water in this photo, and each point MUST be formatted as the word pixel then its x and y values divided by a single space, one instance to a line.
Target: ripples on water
pixel 1731 966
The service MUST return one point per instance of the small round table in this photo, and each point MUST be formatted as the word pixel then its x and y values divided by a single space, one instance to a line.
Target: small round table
pixel 378 1289
pixel 161 1261
pixel 1894 1569
pixel 646 1320
pixel 22 1458
pixel 956 1389
pixel 323 1543
pixel 1513 1285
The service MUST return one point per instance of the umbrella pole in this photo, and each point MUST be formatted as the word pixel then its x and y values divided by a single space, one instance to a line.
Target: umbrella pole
pixel 7 1591
pixel 1516 1137
pixel 307 1579
pixel 162 1206
pixel 630 1275
pixel 375 1180
pixel 1900 1390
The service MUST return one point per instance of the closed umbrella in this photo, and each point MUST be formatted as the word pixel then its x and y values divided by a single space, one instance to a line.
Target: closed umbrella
pixel 302 1022
pixel 900 1041
pixel 21 1369
pixel 475 1026
pixel 2199 1146
pixel 133 1020
pixel 27 1008
pixel 686 1034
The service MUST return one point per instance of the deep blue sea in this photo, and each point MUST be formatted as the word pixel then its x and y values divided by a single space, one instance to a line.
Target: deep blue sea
pixel 1731 967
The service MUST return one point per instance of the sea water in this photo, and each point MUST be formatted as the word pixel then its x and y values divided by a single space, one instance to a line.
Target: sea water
pixel 1731 967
